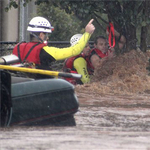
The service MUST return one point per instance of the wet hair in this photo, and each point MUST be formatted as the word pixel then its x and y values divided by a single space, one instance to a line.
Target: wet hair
pixel 99 37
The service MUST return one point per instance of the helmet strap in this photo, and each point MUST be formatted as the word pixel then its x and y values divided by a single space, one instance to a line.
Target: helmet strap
pixel 37 37
pixel 45 36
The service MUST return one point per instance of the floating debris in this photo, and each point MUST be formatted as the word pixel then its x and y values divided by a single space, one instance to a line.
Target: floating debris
pixel 123 74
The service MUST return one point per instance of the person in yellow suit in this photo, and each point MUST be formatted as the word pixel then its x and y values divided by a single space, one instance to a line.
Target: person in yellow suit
pixel 78 64
pixel 39 53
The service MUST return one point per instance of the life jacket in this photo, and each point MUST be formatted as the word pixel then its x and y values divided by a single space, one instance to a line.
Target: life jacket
pixel 68 64
pixel 99 54
pixel 68 67
pixel 90 67
pixel 28 52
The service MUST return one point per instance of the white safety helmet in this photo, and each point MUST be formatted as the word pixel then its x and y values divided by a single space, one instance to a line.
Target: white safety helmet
pixel 75 38
pixel 40 24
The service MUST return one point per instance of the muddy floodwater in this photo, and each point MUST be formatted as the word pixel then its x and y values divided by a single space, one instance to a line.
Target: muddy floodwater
pixel 102 122
pixel 114 113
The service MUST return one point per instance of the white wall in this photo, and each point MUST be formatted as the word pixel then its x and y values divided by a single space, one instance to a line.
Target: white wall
pixel 10 24
pixel 15 21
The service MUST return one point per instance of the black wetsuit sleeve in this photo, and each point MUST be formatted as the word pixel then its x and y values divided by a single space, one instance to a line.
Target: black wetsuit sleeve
pixel 45 58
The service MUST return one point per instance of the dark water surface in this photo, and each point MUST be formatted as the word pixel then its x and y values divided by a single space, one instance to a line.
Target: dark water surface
pixel 102 122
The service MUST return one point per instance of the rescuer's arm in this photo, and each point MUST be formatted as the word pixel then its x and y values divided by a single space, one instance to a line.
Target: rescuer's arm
pixel 81 67
pixel 63 53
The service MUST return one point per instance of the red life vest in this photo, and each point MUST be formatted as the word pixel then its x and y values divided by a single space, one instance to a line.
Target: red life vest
pixel 28 52
pixel 68 67
pixel 68 64
pixel 90 67
pixel 99 54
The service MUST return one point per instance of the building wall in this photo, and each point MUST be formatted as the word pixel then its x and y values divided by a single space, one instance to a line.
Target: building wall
pixel 15 21
pixel 9 24
pixel 1 20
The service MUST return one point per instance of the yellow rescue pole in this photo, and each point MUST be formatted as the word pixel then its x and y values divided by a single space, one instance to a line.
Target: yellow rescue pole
pixel 40 71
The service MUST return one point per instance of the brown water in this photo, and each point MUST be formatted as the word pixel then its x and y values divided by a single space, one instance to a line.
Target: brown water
pixel 114 113
pixel 103 122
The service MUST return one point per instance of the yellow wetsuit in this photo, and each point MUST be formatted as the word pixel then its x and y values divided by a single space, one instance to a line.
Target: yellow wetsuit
pixel 43 56
pixel 80 65
pixel 63 53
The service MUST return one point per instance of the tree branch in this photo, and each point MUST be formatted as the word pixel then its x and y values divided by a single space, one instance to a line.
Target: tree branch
pixel 100 18
pixel 95 18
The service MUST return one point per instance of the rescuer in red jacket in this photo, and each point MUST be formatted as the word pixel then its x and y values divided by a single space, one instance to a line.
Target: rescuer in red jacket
pixel 38 53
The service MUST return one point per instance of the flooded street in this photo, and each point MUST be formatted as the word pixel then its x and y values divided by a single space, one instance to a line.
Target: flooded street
pixel 114 113
pixel 102 122
pixel 102 47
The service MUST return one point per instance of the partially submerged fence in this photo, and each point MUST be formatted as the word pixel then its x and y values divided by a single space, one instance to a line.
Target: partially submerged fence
pixel 7 47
